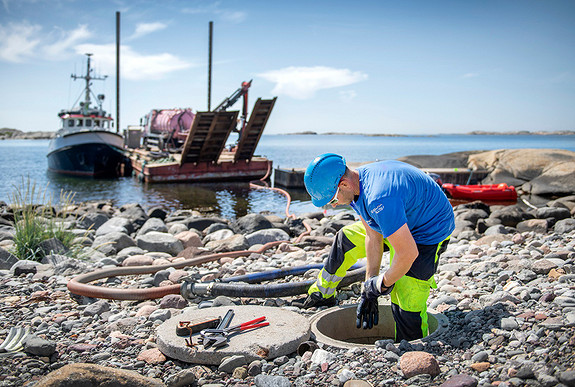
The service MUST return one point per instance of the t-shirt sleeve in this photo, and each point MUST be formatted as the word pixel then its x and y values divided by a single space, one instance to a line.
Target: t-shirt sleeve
pixel 389 214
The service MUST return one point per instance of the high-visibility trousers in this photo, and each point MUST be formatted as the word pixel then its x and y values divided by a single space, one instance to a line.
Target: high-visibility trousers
pixel 410 293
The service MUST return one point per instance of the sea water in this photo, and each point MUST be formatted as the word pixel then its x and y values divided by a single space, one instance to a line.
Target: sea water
pixel 25 160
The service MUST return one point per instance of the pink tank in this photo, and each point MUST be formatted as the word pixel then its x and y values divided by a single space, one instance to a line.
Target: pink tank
pixel 165 121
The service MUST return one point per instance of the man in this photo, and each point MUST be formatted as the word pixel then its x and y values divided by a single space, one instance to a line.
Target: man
pixel 401 208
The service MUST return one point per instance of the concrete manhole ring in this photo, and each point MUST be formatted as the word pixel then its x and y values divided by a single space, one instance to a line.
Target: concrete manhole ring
pixel 336 327
pixel 287 330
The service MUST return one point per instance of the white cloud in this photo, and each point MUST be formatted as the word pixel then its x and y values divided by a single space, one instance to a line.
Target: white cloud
pixel 133 66
pixel 304 82
pixel 214 9
pixel 147 28
pixel 347 95
pixel 18 41
pixel 71 39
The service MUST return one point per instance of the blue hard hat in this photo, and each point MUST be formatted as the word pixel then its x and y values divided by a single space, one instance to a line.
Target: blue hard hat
pixel 322 177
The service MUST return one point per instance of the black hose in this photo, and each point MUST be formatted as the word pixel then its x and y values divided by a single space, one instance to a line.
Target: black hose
pixel 191 290
pixel 279 273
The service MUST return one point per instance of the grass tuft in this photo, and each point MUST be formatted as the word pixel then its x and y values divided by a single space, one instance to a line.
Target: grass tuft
pixel 36 219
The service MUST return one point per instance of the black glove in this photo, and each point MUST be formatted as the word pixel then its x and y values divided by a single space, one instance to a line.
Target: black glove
pixel 316 299
pixel 374 287
pixel 367 312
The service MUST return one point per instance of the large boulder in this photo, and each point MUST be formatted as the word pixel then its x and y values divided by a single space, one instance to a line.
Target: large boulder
pixel 81 374
pixel 538 171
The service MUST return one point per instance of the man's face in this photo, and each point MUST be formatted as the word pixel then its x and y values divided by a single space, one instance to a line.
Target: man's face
pixel 344 195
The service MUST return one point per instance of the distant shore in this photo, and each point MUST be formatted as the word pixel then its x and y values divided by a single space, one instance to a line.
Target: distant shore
pixel 473 133
pixel 15 134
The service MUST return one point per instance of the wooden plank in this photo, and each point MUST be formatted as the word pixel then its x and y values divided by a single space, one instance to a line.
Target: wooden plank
pixel 207 137
pixel 252 133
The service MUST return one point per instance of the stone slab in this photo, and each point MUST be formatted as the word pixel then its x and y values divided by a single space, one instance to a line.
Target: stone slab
pixel 287 330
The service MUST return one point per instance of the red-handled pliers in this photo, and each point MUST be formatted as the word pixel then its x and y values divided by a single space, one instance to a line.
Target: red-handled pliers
pixel 219 337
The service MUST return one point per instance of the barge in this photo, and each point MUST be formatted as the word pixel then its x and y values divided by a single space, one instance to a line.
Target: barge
pixel 204 156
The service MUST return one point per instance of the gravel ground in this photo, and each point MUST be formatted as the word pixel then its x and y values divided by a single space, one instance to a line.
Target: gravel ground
pixel 508 292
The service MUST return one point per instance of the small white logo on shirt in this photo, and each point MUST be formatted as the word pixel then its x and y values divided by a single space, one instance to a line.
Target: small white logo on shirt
pixel 377 209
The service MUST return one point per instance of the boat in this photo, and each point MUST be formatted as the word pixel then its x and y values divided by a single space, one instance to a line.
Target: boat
pixel 86 144
pixel 488 192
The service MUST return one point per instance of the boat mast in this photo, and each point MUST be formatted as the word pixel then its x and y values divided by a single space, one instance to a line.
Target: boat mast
pixel 88 78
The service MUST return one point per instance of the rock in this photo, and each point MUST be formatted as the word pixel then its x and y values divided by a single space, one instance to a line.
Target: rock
pixel 564 226
pixel 183 378
pixel 271 381
pixel 265 236
pixel 481 366
pixel 160 242
pixel 202 223
pixel 38 346
pixel 97 308
pixel 157 212
pixel 543 266
pixel 7 260
pixel 556 213
pixel 509 216
pixel 541 171
pixel 251 223
pixel 320 356
pixel 134 213
pixel 417 363
pixel 174 301
pixel 24 266
pixel 460 381
pixel 232 362
pixel 121 225
pixel 234 243
pixel 138 260
pixel 536 225
pixel 218 235
pixel 160 314
pixel 52 246
pixel 153 224
pixel 80 374
pixel 189 239
pixel 92 221
pixel 568 378
pixel 112 242
pixel 152 356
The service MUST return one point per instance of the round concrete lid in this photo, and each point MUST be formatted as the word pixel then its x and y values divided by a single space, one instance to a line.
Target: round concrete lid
pixel 287 330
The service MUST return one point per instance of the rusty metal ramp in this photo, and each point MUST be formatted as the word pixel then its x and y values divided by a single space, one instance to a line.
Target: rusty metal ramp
pixel 250 136
pixel 208 135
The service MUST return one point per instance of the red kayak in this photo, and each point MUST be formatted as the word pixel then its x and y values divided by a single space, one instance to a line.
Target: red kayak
pixel 498 192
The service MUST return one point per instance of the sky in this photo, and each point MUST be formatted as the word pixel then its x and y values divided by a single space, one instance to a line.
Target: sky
pixel 381 66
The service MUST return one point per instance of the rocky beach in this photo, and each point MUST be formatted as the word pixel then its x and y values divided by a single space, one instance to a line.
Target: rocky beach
pixel 506 285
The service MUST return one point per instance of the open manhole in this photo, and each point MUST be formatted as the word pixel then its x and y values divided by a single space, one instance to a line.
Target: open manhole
pixel 336 327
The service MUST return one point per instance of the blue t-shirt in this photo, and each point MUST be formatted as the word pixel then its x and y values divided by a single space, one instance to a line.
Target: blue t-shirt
pixel 393 193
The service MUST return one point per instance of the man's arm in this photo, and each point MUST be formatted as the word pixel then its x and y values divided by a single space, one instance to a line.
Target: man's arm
pixel 373 250
pixel 405 254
